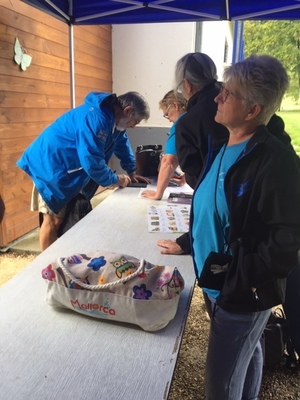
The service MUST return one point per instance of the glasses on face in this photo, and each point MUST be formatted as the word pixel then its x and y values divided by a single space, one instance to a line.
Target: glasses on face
pixel 165 115
pixel 179 88
pixel 225 93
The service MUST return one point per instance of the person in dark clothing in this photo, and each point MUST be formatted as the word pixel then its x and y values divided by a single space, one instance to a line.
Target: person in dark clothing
pixel 2 209
pixel 182 244
pixel 245 207
pixel 196 79
pixel 291 308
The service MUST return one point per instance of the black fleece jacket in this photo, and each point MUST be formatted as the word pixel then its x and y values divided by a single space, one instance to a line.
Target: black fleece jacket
pixel 192 131
pixel 275 127
pixel 263 194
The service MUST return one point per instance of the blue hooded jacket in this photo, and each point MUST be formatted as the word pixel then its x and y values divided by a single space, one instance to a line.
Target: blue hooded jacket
pixel 76 148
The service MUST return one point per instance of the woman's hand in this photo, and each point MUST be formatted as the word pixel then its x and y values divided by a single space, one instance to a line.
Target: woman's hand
pixel 179 179
pixel 151 194
pixel 169 247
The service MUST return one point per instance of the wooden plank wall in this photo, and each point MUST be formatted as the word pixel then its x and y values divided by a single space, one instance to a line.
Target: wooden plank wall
pixel 32 99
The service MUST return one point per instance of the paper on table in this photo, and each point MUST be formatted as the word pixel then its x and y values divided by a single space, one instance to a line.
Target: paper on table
pixel 169 219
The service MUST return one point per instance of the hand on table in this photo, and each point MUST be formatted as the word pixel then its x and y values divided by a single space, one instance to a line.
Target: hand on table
pixel 151 194
pixel 139 178
pixel 169 247
pixel 123 180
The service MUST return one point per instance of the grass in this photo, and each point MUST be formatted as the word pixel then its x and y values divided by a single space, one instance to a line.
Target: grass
pixel 292 126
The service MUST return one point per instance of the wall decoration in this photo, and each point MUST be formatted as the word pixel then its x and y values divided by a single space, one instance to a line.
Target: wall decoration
pixel 21 57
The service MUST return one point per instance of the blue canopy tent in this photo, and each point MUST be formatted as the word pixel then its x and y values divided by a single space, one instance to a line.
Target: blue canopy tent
pixel 90 12
pixel 109 12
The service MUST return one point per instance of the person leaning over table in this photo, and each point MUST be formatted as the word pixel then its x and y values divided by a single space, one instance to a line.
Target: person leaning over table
pixel 196 79
pixel 247 200
pixel 173 106
pixel 75 150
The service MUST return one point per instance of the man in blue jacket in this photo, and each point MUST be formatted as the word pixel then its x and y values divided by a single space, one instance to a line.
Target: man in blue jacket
pixel 76 149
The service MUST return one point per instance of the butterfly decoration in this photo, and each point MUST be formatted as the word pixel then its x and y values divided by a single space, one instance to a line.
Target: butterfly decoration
pixel 21 57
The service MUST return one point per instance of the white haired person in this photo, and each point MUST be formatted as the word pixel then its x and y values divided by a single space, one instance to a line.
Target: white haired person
pixel 75 150
pixel 245 224
pixel 196 80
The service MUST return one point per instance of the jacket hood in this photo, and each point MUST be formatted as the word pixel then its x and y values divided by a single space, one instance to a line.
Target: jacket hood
pixel 96 99
pixel 194 99
pixel 276 127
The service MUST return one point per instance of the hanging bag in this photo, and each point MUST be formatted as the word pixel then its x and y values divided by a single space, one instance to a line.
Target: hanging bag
pixel 148 159
pixel 115 287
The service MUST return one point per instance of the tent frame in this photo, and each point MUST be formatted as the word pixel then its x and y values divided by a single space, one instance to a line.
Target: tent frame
pixel 127 6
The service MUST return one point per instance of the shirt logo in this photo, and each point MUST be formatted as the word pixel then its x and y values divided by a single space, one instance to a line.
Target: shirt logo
pixel 242 188
pixel 102 135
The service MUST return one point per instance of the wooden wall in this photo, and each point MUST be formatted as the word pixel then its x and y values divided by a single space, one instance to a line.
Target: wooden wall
pixel 32 99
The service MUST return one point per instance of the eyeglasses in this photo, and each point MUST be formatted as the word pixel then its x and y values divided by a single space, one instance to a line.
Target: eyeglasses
pixel 165 115
pixel 179 88
pixel 225 93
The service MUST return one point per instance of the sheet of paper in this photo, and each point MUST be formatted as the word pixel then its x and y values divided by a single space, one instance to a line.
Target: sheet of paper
pixel 169 219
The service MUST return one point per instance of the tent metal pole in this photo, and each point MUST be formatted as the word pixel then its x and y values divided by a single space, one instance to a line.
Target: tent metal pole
pixel 72 72
pixel 238 42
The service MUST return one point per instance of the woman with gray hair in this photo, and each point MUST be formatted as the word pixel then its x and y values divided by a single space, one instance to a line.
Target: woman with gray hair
pixel 245 226
pixel 196 79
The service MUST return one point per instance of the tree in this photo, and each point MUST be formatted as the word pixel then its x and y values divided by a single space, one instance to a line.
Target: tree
pixel 280 39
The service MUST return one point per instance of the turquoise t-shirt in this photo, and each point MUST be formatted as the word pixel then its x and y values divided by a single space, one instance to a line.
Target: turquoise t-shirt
pixel 210 225
pixel 171 144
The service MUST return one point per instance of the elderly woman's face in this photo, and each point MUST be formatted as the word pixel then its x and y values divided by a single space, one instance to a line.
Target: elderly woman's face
pixel 231 110
pixel 172 111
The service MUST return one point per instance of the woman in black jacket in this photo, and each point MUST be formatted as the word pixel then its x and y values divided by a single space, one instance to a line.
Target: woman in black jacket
pixel 196 79
pixel 245 225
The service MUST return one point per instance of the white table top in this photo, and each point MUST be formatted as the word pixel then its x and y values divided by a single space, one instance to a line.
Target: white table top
pixel 49 354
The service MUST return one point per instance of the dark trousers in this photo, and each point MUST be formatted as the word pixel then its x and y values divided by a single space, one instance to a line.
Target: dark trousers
pixel 292 307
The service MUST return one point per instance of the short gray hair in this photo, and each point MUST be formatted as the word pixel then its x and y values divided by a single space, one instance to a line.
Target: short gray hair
pixel 139 104
pixel 260 79
pixel 198 68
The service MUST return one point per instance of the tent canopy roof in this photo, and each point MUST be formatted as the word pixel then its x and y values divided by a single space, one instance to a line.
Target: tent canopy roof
pixel 91 12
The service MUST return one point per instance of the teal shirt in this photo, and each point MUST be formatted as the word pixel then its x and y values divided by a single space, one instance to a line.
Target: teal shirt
pixel 171 143
pixel 210 225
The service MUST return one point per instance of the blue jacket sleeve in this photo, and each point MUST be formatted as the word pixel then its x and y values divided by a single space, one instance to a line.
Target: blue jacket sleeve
pixel 91 140
pixel 124 153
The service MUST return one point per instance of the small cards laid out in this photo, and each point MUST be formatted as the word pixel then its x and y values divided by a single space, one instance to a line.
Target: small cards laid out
pixel 170 218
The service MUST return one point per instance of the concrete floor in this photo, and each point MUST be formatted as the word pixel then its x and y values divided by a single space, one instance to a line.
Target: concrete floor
pixel 30 242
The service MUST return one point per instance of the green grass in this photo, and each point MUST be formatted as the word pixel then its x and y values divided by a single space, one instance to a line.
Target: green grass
pixel 292 126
